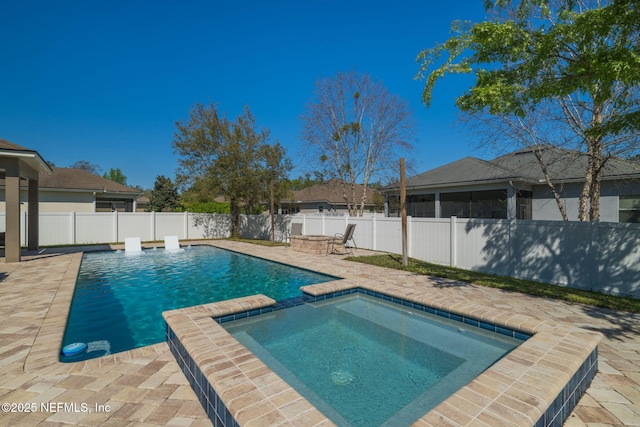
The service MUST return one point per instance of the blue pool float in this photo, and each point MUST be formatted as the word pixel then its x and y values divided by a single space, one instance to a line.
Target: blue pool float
pixel 73 349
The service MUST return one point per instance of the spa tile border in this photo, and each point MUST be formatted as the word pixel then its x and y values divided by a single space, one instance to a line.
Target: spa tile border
pixel 543 378
pixel 307 298
pixel 234 387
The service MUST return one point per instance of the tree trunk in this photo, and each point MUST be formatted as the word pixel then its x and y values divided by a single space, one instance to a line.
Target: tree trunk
pixel 547 178
pixel 593 177
pixel 596 172
pixel 235 217
pixel 584 194
pixel 364 199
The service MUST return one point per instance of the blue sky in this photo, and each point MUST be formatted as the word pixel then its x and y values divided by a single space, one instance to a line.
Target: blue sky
pixel 105 81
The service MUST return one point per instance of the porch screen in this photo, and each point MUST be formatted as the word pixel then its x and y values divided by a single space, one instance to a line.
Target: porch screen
pixel 474 204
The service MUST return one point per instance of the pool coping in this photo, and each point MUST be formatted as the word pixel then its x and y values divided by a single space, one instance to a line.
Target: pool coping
pixel 536 384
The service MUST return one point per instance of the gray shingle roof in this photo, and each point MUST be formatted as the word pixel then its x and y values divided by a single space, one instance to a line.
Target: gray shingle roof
pixel 331 191
pixel 26 155
pixel 78 179
pixel 521 166
pixel 463 171
pixel 7 145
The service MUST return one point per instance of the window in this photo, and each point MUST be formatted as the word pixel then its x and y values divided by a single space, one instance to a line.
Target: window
pixel 474 204
pixel 291 210
pixel 422 206
pixel 112 205
pixel 455 204
pixel 524 204
pixel 629 210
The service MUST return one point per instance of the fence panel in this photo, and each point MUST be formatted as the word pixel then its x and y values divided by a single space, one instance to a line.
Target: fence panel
pixel 95 227
pixel 255 227
pixel 170 224
pixel 313 225
pixel 618 263
pixel 363 233
pixel 336 225
pixel 553 252
pixel 56 229
pixel 389 235
pixel 209 226
pixel 135 224
pixel 482 245
pixel 430 240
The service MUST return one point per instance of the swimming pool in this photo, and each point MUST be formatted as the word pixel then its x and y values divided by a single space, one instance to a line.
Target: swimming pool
pixel 364 361
pixel 119 299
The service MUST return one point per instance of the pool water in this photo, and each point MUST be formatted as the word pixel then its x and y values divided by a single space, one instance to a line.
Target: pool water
pixel 119 298
pixel 363 361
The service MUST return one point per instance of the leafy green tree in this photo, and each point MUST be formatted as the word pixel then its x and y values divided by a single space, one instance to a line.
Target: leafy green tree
pixel 276 169
pixel 116 175
pixel 209 207
pixel 560 72
pixel 164 196
pixel 305 181
pixel 356 129
pixel 226 157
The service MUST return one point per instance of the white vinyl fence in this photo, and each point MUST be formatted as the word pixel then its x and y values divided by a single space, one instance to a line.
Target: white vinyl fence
pixel 597 256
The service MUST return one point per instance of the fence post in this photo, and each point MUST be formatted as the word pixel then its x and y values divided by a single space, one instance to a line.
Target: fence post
pixel 73 232
pixel 186 226
pixel 153 225
pixel 374 232
pixel 513 223
pixel 594 254
pixel 452 242
pixel 409 234
pixel 115 226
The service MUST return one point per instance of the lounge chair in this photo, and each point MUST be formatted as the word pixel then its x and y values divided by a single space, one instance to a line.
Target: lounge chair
pixel 171 244
pixel 132 245
pixel 343 241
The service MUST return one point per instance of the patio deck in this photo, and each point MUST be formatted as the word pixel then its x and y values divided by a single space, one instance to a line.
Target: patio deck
pixel 145 387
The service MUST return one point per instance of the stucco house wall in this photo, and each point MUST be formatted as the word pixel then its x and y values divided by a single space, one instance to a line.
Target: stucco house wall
pixel 546 208
pixel 56 202
pixel 75 190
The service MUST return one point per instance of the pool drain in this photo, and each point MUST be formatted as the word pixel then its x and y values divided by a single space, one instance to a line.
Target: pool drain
pixel 341 377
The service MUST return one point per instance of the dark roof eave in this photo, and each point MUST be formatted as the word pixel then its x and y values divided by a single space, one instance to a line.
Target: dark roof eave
pixel 518 179
pixel 625 177
pixel 30 157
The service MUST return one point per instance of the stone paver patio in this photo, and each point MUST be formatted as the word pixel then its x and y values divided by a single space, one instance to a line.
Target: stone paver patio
pixel 145 387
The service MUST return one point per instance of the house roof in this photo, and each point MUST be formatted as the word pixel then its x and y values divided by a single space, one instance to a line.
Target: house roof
pixel 520 166
pixel 80 180
pixel 8 145
pixel 30 157
pixel 331 192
